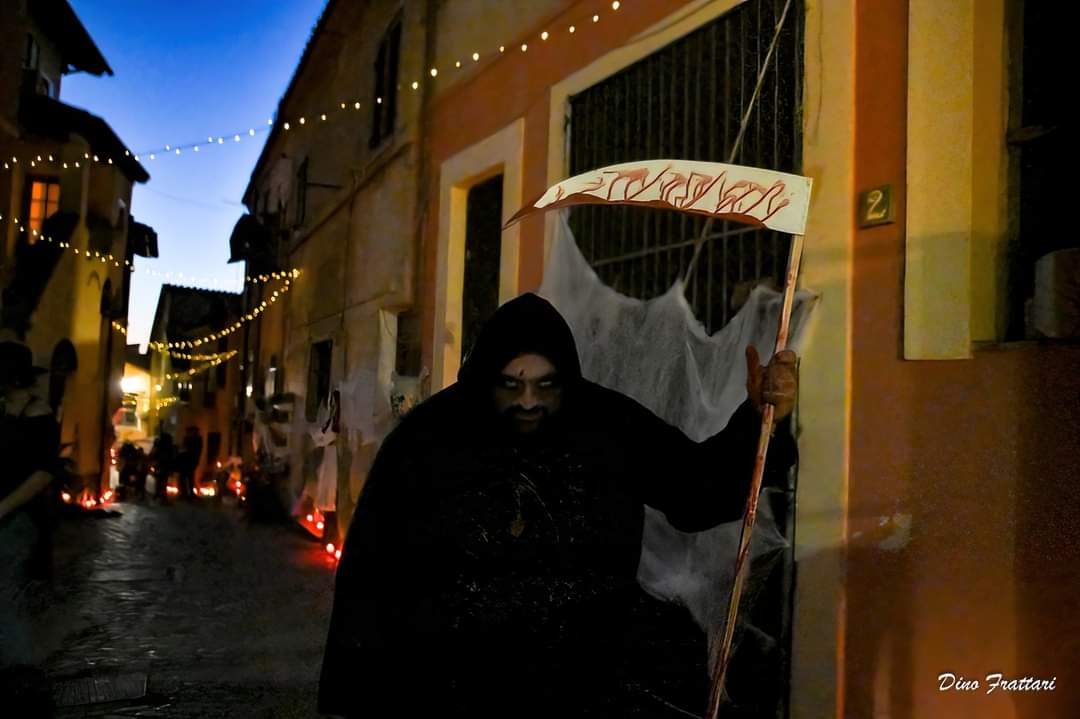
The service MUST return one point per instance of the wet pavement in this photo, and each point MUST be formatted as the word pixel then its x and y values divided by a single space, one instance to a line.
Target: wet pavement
pixel 183 609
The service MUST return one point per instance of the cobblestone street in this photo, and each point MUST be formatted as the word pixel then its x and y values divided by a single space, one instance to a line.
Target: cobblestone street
pixel 188 605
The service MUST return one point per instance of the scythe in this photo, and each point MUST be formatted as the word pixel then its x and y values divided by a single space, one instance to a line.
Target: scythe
pixel 756 197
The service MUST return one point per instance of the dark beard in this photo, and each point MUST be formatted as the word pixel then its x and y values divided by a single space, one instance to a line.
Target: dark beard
pixel 525 422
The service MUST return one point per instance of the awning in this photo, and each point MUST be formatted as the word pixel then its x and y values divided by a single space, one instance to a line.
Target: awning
pixel 248 237
pixel 42 115
pixel 142 239
pixel 77 49
pixel 59 226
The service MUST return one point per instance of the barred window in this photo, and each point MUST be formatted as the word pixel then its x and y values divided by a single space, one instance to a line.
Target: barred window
pixel 686 101
pixel 384 103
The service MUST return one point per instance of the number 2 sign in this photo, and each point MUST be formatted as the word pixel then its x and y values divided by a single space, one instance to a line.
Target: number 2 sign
pixel 875 206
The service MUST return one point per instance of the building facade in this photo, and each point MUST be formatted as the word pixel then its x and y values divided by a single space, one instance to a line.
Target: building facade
pixel 194 380
pixel 67 237
pixel 339 200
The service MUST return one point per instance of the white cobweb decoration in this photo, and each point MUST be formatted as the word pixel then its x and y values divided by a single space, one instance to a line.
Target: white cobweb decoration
pixel 657 352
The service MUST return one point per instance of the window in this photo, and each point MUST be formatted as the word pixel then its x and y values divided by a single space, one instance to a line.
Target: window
pixel 221 371
pixel 407 356
pixel 32 56
pixel 301 192
pixel 274 381
pixel 1037 141
pixel 213 446
pixel 386 80
pixel 483 245
pixel 318 386
pixel 687 100
pixel 209 390
pixel 43 202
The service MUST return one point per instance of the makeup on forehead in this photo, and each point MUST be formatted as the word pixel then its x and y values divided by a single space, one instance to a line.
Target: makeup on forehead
pixel 548 377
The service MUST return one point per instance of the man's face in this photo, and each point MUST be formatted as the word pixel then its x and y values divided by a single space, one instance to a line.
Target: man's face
pixel 527 391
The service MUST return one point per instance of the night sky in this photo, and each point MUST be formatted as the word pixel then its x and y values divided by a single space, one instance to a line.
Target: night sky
pixel 183 72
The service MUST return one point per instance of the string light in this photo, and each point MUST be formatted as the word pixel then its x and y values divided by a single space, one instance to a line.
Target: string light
pixel 166 402
pixel 223 332
pixel 170 276
pixel 201 368
pixel 169 347
pixel 176 148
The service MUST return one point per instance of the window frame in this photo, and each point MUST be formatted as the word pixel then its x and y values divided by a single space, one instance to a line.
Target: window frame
pixel 320 372
pixel 384 98
pixel 28 203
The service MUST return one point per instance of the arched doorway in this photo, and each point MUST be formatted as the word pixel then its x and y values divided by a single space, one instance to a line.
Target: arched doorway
pixel 62 365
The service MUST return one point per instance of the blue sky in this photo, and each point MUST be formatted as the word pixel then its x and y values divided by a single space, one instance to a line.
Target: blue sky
pixel 185 71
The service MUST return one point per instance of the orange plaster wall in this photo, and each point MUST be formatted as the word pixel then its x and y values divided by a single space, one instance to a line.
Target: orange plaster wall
pixel 513 86
pixel 983 454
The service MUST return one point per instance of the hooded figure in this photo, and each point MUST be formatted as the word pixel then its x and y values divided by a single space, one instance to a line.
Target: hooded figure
pixel 490 567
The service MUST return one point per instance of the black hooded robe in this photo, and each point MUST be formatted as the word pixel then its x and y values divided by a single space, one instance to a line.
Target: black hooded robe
pixel 489 574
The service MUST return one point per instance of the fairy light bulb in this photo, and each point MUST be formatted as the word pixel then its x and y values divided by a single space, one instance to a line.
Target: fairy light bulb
pixel 524 47
pixel 415 85
pixel 434 72
pixel 572 28
pixel 596 18
pixel 544 35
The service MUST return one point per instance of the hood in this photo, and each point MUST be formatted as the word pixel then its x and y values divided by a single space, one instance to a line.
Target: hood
pixel 525 324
